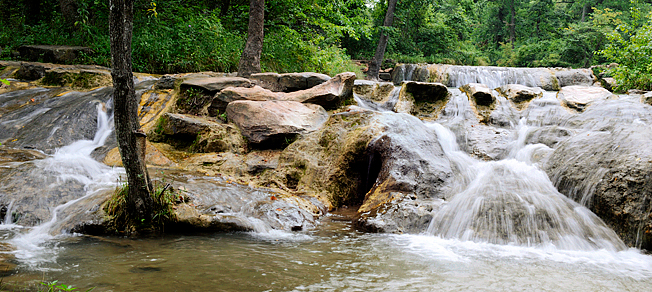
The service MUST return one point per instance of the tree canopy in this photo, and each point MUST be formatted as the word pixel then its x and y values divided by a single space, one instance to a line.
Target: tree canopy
pixel 325 35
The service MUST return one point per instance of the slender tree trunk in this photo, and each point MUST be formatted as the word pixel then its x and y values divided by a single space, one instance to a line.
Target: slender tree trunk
pixel 512 25
pixel 250 60
pixel 584 10
pixel 374 67
pixel 131 139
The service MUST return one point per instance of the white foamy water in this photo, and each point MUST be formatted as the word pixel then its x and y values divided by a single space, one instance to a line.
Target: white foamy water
pixel 71 162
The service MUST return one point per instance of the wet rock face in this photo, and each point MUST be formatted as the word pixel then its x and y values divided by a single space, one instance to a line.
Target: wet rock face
pixel 270 123
pixel 607 166
pixel 579 97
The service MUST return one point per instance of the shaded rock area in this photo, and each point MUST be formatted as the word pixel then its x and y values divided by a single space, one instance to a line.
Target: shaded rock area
pixel 647 98
pixel 52 54
pixel 578 97
pixel 372 90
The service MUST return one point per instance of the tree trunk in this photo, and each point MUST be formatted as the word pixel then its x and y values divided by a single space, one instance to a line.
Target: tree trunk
pixel 250 60
pixel 374 67
pixel 512 25
pixel 131 139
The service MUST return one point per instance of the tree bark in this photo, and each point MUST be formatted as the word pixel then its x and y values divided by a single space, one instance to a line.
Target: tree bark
pixel 512 25
pixel 374 67
pixel 131 139
pixel 250 60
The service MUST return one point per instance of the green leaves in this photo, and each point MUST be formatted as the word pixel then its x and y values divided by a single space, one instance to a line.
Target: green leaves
pixel 4 81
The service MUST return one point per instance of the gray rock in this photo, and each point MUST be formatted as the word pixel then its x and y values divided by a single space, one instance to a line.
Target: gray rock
pixel 166 82
pixel 607 166
pixel 373 91
pixel 269 123
pixel 569 77
pixel 608 83
pixel 520 95
pixel 267 80
pixel 647 98
pixel 330 94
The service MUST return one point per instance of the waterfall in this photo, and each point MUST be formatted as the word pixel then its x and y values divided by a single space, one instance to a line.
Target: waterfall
pixel 511 201
pixel 71 162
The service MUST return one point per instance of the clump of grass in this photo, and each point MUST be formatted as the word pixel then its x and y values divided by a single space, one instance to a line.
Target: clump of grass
pixel 164 197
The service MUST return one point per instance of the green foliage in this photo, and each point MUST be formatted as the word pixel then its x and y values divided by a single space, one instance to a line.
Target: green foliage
pixel 164 197
pixel 631 47
pixel 4 81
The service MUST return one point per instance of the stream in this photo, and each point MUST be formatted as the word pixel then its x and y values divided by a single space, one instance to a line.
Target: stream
pixel 498 245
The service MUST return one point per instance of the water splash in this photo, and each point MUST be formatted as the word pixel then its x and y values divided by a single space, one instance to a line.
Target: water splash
pixel 72 162
pixel 513 202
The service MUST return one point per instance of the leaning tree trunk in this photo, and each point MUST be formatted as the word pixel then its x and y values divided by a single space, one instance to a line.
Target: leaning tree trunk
pixel 131 139
pixel 250 60
pixel 374 67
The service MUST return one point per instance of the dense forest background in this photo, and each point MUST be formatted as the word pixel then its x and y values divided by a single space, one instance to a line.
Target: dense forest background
pixel 325 35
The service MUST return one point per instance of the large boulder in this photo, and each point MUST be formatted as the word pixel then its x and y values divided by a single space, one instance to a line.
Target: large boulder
pixel 607 166
pixel 267 80
pixel 579 97
pixel 330 94
pixel 422 99
pixel 197 134
pixel 270 123
pixel 519 95
pixel 52 54
pixel 229 94
pixel 196 94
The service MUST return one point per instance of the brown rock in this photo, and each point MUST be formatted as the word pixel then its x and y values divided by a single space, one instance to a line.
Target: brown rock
pixel 422 99
pixel 229 94
pixel 215 84
pixel 271 122
pixel 268 80
pixel 371 90
pixel 153 156
pixel 329 95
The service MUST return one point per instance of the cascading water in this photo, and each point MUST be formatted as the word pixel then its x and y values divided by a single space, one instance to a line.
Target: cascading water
pixel 72 162
pixel 513 202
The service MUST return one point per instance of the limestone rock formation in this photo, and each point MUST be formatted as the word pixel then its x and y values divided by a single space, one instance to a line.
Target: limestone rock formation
pixel 215 84
pixel 300 81
pixel 198 134
pixel 579 97
pixel 422 99
pixel 482 98
pixel 372 90
pixel 519 95
pixel 270 123
pixel 229 94
pixel 330 94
